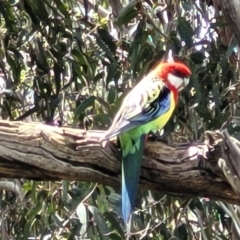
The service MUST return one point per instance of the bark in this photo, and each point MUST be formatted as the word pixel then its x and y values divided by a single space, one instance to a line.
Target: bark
pixel 230 9
pixel 42 152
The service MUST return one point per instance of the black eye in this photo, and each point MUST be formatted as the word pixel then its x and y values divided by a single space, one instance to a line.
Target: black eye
pixel 178 73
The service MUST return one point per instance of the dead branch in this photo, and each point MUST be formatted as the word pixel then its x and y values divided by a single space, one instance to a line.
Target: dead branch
pixel 42 152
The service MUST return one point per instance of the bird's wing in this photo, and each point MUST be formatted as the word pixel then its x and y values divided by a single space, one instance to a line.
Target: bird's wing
pixel 146 102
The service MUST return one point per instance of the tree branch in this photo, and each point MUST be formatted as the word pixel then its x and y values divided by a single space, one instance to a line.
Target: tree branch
pixel 230 9
pixel 42 152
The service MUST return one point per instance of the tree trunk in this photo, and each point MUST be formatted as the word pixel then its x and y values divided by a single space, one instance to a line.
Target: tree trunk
pixel 42 152
pixel 230 9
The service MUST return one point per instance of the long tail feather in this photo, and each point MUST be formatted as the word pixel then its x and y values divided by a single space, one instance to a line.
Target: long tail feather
pixel 131 166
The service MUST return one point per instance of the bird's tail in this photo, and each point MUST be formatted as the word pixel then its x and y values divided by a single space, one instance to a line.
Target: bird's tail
pixel 131 166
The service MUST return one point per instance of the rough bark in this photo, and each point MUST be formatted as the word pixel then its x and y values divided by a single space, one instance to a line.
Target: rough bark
pixel 42 152
pixel 230 9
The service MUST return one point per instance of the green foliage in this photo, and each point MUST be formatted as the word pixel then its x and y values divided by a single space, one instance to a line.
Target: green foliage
pixel 72 62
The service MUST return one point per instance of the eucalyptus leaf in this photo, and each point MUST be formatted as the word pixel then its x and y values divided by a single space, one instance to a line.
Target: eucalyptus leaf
pixel 98 219
pixel 197 57
pixel 185 31
pixel 81 212
pixel 127 13
pixel 89 102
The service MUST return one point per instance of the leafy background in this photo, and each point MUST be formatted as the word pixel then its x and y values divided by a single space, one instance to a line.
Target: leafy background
pixel 69 62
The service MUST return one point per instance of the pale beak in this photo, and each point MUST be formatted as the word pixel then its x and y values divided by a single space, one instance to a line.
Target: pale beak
pixel 186 81
pixel 184 84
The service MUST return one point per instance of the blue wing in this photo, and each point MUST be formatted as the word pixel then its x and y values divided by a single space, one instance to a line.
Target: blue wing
pixel 153 111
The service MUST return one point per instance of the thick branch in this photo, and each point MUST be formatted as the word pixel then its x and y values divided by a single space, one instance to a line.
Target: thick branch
pixel 38 151
pixel 230 9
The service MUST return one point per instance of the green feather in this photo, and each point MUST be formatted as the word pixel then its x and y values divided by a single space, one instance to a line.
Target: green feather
pixel 131 166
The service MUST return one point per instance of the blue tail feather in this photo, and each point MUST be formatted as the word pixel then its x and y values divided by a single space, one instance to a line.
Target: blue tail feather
pixel 131 166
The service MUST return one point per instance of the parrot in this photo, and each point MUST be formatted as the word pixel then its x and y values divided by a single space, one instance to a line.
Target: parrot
pixel 146 108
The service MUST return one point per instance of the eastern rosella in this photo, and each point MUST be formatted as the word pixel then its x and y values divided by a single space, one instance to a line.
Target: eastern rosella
pixel 146 108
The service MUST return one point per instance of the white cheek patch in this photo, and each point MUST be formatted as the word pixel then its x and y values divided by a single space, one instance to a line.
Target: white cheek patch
pixel 177 82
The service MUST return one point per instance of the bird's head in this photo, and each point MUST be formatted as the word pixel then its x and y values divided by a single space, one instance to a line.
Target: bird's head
pixel 175 75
